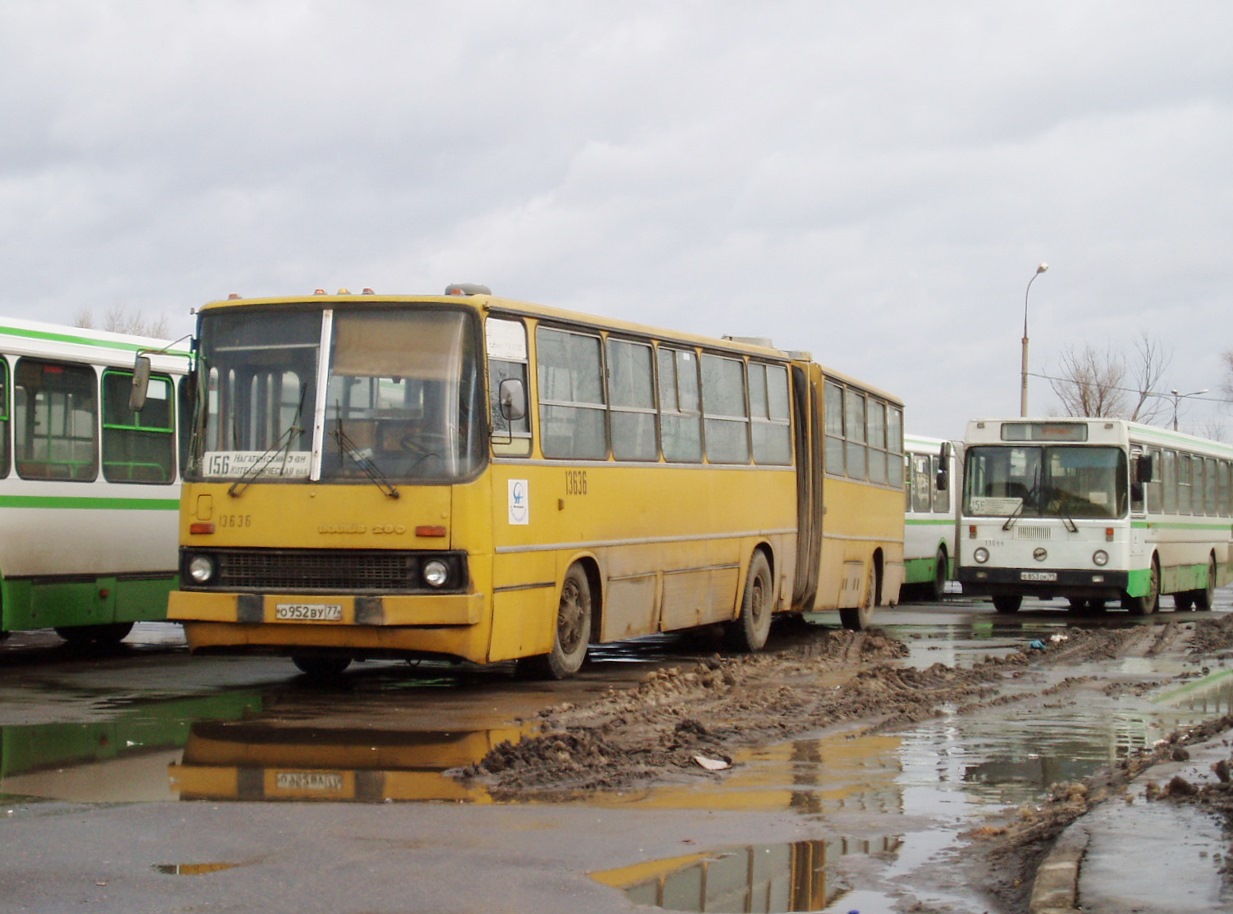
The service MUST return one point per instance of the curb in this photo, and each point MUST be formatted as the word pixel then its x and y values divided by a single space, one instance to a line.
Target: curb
pixel 1056 887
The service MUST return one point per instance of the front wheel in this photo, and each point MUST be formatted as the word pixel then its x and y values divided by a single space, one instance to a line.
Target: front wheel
pixel 1203 599
pixel 1005 604
pixel 569 646
pixel 1150 601
pixel 748 631
pixel 937 589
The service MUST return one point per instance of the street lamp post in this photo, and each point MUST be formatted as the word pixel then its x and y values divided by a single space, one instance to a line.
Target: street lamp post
pixel 1179 397
pixel 1023 390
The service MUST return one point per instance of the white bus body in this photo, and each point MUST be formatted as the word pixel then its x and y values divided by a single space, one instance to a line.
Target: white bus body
pixel 1094 510
pixel 89 490
pixel 931 492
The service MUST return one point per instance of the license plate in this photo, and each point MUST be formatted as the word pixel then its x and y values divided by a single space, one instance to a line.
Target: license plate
pixel 317 781
pixel 1038 576
pixel 308 612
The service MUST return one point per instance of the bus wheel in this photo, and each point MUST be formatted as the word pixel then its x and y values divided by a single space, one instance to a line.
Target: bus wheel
pixel 320 666
pixel 858 618
pixel 937 589
pixel 112 633
pixel 1007 604
pixel 748 632
pixel 1150 601
pixel 569 647
pixel 1203 599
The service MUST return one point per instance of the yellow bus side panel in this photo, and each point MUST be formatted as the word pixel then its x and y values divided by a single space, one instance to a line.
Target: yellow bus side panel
pixel 859 520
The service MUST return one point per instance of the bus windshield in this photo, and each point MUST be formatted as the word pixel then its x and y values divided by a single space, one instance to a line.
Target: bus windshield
pixel 401 398
pixel 1063 482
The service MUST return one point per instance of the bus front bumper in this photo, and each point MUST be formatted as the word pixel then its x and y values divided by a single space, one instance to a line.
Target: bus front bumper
pixel 326 610
pixel 1030 582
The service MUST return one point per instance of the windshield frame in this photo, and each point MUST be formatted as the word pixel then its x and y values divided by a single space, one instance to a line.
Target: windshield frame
pixel 1038 488
pixel 263 410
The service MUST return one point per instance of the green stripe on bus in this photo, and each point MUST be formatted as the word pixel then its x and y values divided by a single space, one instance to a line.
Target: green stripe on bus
pixel 82 340
pixel 89 503
pixel 940 522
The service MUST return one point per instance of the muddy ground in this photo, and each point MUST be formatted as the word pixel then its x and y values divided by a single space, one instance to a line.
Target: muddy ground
pixel 683 722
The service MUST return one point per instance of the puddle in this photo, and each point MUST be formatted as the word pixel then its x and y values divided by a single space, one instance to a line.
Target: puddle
pixel 192 869
pixel 765 878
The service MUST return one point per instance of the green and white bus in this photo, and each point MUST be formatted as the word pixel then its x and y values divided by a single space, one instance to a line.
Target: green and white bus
pixel 1094 511
pixel 931 487
pixel 89 489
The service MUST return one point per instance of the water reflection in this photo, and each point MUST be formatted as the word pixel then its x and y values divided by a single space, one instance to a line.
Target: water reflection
pixel 269 761
pixel 757 878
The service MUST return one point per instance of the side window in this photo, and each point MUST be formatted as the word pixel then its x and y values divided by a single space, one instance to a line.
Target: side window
pixel 877 441
pixel 1222 488
pixel 1183 484
pixel 680 406
pixel 572 414
pixel 854 427
pixel 726 423
pixel 138 447
pixel 1210 501
pixel 894 444
pixel 768 414
pixel 5 406
pixel 507 361
pixel 56 421
pixel 1168 479
pixel 631 397
pixel 921 484
pixel 834 429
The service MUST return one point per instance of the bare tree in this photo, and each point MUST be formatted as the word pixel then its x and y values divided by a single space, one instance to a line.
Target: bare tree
pixel 1090 383
pixel 119 319
pixel 1096 384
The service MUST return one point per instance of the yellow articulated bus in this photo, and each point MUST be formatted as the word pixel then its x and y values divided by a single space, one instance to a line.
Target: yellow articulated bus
pixel 470 477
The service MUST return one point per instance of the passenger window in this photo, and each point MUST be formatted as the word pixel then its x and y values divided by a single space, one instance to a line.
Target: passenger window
pixel 854 432
pixel 631 395
pixel 680 412
pixel 4 418
pixel 834 429
pixel 768 414
pixel 726 424
pixel 56 415
pixel 572 415
pixel 138 447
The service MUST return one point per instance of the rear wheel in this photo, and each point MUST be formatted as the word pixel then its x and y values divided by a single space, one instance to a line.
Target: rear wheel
pixel 748 632
pixel 111 633
pixel 569 647
pixel 1007 604
pixel 1150 601
pixel 858 618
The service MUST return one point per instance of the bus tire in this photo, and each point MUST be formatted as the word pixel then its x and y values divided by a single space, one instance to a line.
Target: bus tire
pixel 106 634
pixel 1204 599
pixel 859 618
pixel 1150 601
pixel 937 590
pixel 1007 604
pixel 573 631
pixel 320 666
pixel 748 632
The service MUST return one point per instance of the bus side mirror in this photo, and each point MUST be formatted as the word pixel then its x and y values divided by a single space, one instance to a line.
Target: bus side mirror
pixel 1144 469
pixel 512 397
pixel 944 455
pixel 141 383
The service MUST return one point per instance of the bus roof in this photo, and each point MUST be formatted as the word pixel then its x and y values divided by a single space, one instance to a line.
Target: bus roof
pixel 487 304
pixel 25 337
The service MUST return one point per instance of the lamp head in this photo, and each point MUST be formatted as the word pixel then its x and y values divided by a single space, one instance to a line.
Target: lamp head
pixel 1043 268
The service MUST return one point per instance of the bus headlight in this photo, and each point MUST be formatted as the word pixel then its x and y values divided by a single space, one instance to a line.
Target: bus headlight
pixel 201 569
pixel 1101 558
pixel 436 573
pixel 981 554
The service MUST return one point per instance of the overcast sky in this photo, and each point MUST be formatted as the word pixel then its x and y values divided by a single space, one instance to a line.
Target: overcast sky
pixel 872 182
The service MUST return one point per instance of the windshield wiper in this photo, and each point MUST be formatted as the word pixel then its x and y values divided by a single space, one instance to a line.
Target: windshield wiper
pixel 1014 515
pixel 282 445
pixel 363 460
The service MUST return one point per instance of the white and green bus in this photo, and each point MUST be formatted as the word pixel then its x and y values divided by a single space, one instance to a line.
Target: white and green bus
pixel 931 486
pixel 89 488
pixel 1094 511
